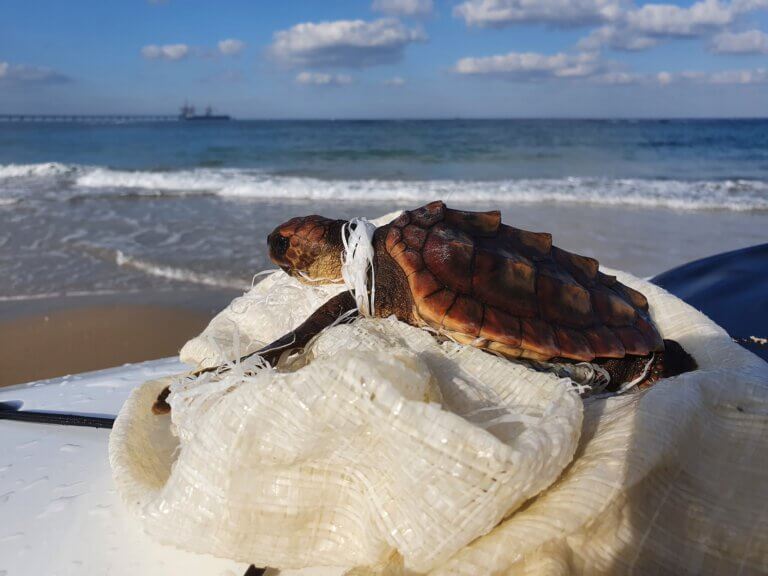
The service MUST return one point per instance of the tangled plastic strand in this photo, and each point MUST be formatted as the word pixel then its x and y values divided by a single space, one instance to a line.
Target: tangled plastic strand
pixel 357 236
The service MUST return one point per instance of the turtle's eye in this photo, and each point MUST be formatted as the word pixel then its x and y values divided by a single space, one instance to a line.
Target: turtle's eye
pixel 278 244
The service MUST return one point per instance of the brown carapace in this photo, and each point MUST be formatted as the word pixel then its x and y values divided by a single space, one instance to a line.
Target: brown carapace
pixel 480 282
pixel 508 290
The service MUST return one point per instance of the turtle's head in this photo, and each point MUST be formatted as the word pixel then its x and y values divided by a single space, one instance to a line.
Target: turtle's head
pixel 308 248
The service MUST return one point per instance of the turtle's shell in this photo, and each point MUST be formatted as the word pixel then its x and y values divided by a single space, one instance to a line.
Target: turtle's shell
pixel 497 287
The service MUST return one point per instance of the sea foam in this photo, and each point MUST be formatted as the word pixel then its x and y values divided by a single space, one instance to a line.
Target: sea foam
pixel 727 194
pixel 741 195
pixel 47 169
pixel 180 274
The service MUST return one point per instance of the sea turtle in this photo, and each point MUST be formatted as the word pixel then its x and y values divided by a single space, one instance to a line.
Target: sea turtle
pixel 477 281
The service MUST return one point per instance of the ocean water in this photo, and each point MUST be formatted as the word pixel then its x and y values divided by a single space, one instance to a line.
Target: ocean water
pixel 111 207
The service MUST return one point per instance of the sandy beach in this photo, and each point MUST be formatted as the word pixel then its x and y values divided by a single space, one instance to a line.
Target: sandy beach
pixel 43 338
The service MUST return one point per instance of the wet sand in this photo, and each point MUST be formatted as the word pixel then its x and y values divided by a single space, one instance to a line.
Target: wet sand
pixel 52 337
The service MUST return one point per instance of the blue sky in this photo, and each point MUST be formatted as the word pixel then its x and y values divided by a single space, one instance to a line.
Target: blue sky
pixel 387 58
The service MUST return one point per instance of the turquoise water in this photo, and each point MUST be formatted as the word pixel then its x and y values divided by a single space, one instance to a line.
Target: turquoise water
pixel 108 206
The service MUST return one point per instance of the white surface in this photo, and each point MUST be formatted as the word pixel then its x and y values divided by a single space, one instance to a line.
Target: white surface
pixel 60 513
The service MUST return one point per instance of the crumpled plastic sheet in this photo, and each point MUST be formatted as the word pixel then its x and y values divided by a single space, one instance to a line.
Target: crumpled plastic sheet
pixel 384 451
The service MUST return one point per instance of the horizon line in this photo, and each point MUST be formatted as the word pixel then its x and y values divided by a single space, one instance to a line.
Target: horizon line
pixel 173 116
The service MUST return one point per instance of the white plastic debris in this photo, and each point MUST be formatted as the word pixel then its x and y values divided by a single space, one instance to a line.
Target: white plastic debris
pixel 383 443
pixel 357 237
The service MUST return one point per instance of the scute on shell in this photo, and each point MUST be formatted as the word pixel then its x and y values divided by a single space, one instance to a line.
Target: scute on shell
pixel 604 342
pixel 500 326
pixel 465 316
pixel 512 291
pixel 477 223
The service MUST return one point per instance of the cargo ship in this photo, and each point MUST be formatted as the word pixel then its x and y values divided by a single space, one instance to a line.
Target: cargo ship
pixel 188 113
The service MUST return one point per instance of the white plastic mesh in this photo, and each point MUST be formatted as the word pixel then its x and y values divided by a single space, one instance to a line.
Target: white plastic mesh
pixel 384 442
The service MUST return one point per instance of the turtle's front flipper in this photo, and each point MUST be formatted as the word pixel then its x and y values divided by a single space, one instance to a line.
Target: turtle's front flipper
pixel 320 319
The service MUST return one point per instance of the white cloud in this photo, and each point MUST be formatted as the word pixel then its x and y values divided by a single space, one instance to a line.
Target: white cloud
pixel 624 25
pixel 165 52
pixel 231 46
pixel 671 20
pixel 500 13
pixel 617 39
pixel 749 42
pixel 403 7
pixel 587 67
pixel 322 79
pixel 349 43
pixel 757 76
pixel 226 47
pixel 639 28
pixel 754 76
pixel 23 74
pixel 749 5
pixel 664 78
pixel 394 81
pixel 521 65
pixel 619 78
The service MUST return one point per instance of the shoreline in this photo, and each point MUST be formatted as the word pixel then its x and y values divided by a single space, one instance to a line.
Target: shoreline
pixel 52 337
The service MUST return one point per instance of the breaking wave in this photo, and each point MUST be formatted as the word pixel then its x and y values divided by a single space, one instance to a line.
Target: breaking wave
pixel 201 180
pixel 680 195
pixel 180 274
pixel 48 169
pixel 75 180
